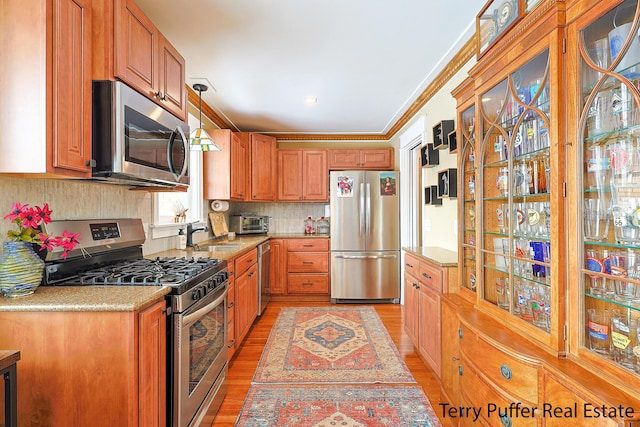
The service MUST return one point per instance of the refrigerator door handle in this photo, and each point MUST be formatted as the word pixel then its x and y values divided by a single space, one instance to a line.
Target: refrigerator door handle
pixel 368 213
pixel 361 211
pixel 366 256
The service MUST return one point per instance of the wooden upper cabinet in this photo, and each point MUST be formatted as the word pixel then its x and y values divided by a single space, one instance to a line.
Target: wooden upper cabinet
pixel 46 88
pixel 225 172
pixel 172 78
pixel 137 53
pixel 303 175
pixel 371 158
pixel 262 166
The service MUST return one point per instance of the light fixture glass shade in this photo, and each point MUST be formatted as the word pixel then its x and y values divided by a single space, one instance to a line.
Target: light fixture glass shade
pixel 201 141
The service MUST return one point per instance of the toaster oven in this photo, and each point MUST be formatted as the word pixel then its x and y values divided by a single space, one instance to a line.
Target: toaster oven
pixel 249 224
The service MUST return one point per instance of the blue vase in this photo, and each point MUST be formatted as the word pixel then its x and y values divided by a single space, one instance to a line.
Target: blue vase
pixel 20 269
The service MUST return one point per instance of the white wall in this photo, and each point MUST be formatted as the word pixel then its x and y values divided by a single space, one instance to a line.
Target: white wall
pixel 439 223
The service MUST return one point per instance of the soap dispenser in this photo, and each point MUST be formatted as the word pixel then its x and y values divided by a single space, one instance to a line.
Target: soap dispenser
pixel 181 240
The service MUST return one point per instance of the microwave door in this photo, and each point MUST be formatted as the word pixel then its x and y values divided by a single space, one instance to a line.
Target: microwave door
pixel 182 153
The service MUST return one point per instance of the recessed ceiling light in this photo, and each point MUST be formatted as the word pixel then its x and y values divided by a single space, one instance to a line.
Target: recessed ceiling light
pixel 311 100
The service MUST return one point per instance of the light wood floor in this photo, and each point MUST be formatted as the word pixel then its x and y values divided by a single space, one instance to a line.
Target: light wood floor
pixel 246 359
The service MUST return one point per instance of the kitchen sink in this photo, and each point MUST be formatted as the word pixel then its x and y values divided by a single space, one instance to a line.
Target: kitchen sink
pixel 224 247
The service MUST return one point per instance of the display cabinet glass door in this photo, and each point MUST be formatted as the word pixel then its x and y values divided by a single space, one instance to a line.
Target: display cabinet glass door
pixel 516 212
pixel 468 170
pixel 609 50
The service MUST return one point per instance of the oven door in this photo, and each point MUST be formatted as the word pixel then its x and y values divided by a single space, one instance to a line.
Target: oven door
pixel 200 356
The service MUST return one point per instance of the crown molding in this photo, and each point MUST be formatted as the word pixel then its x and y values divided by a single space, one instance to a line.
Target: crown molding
pixel 463 56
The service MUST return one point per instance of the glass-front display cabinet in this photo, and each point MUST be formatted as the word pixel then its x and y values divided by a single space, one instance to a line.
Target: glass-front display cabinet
pixel 518 213
pixel 467 166
pixel 468 171
pixel 606 301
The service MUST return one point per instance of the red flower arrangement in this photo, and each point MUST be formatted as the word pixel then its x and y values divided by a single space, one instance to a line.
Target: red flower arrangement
pixel 28 220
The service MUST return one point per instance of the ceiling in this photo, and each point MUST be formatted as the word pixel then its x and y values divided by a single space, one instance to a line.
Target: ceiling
pixel 365 61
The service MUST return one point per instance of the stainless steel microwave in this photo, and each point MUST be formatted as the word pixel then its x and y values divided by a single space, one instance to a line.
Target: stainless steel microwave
pixel 135 141
pixel 249 224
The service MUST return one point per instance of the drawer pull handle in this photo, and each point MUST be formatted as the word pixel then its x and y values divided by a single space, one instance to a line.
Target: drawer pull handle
pixel 409 265
pixel 307 283
pixel 505 371
pixel 307 246
pixel 505 419
pixel 426 275
pixel 231 305
pixel 460 370
pixel 455 359
pixel 307 262
pixel 460 334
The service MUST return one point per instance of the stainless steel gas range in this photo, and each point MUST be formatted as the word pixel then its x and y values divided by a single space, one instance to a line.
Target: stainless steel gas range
pixel 110 254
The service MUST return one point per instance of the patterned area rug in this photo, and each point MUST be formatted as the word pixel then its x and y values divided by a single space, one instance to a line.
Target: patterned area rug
pixel 349 406
pixel 330 345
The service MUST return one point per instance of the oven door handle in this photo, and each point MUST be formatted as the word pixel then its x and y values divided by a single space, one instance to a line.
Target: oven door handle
pixel 200 313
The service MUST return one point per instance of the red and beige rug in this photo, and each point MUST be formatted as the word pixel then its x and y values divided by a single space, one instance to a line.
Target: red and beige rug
pixel 330 345
pixel 329 406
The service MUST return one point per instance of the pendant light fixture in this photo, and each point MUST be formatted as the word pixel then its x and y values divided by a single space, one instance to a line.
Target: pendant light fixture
pixel 200 139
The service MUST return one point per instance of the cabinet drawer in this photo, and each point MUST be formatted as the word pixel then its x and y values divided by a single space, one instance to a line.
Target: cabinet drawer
pixel 244 261
pixel 308 245
pixel 508 372
pixel 308 283
pixel 431 276
pixel 412 265
pixel 493 406
pixel 308 262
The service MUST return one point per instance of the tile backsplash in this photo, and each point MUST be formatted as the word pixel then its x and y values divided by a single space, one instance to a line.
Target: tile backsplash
pixel 286 217
pixel 76 199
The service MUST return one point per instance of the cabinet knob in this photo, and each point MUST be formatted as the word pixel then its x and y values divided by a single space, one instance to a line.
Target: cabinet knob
pixel 233 303
pixel 160 96
pixel 505 371
pixel 408 265
pixel 460 370
pixel 426 275
pixel 91 163
pixel 455 359
pixel 460 334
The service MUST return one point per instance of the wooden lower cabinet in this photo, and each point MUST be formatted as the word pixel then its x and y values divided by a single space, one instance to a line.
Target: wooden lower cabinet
pixel 246 293
pixel 231 311
pixel 512 381
pixel 300 269
pixel 423 283
pixel 90 368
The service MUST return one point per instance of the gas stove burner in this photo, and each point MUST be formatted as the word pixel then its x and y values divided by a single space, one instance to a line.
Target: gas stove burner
pixel 166 271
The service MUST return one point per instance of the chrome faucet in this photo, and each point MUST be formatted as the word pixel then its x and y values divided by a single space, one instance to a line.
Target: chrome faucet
pixel 191 230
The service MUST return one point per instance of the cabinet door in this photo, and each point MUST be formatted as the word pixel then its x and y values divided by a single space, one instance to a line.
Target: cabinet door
pixel 605 256
pixel 376 159
pixel 171 69
pixel 521 212
pixel 263 168
pixel 468 201
pixel 239 168
pixel 450 351
pixel 246 301
pixel 344 159
pixel 152 365
pixel 278 271
pixel 429 327
pixel 291 176
pixel 71 86
pixel 315 178
pixel 136 45
pixel 411 310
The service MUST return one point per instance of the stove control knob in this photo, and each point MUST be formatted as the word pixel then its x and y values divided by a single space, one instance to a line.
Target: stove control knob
pixel 195 294
pixel 211 283
pixel 203 289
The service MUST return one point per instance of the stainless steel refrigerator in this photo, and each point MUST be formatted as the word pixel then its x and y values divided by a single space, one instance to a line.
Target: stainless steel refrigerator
pixel 365 236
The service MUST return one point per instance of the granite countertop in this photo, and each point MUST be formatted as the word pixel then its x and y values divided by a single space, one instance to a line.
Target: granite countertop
pixel 131 298
pixel 435 255
pixel 85 298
